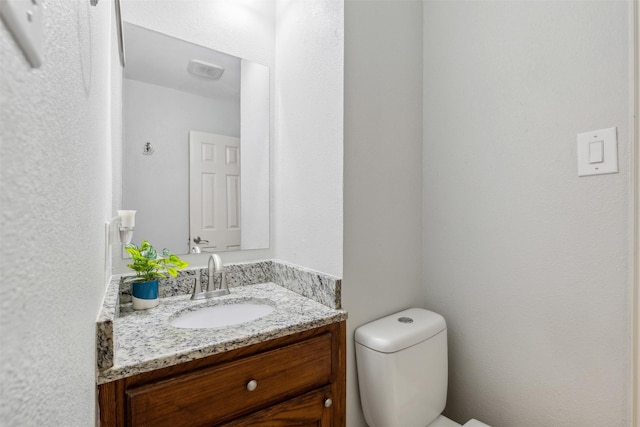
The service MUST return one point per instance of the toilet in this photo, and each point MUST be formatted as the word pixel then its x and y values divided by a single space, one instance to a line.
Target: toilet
pixel 402 370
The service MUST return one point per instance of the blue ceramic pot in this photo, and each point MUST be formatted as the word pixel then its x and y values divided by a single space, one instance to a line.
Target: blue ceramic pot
pixel 144 294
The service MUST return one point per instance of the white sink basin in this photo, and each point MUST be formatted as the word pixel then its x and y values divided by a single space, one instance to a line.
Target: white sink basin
pixel 221 315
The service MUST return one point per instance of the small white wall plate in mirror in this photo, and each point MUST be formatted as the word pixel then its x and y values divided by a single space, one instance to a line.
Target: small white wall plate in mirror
pixel 597 152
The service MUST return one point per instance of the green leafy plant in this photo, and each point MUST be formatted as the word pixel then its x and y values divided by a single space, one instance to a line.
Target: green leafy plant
pixel 148 266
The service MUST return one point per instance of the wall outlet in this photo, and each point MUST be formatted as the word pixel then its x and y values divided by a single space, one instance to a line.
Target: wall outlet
pixel 23 18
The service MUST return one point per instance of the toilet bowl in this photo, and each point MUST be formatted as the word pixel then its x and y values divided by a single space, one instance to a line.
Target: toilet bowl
pixel 402 370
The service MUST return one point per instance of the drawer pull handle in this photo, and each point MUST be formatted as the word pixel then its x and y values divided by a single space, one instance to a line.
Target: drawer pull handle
pixel 252 385
pixel 328 403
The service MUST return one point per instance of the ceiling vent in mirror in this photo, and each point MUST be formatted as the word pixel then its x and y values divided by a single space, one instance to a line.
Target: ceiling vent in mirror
pixel 205 69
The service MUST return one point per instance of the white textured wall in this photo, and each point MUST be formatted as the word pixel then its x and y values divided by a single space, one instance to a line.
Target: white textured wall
pixel 527 261
pixel 382 168
pixel 309 133
pixel 55 194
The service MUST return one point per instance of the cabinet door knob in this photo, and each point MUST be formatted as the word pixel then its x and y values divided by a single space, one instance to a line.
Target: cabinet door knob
pixel 328 403
pixel 252 385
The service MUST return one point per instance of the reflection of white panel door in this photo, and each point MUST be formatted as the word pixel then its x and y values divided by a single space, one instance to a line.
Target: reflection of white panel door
pixel 214 191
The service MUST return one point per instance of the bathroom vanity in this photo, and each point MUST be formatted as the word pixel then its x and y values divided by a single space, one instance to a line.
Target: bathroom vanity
pixel 294 380
pixel 284 369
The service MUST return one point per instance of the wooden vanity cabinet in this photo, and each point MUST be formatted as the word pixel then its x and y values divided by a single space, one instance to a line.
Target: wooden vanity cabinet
pixel 297 380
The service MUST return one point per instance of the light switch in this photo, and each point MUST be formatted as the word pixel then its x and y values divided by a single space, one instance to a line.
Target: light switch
pixel 597 152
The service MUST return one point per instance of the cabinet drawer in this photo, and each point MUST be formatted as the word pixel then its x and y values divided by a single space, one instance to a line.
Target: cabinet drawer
pixel 308 410
pixel 220 393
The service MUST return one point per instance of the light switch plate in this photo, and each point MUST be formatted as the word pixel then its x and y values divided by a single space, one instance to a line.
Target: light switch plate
pixel 609 156
pixel 24 19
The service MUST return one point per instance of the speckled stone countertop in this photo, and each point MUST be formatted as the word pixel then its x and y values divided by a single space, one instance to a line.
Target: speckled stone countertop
pixel 141 341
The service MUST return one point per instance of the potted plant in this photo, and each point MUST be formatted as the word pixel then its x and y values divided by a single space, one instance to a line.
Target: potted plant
pixel 149 267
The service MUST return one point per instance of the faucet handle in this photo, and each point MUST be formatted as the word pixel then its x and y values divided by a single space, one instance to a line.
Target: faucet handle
pixel 197 289
pixel 223 282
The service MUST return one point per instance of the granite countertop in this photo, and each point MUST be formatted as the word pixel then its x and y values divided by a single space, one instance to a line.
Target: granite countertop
pixel 143 341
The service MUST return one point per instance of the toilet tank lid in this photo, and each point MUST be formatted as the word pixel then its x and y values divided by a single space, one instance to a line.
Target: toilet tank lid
pixel 400 330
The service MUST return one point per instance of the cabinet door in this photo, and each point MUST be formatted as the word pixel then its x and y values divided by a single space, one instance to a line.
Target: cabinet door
pixel 313 409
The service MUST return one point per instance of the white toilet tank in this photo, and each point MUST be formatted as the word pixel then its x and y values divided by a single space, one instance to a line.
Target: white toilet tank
pixel 402 368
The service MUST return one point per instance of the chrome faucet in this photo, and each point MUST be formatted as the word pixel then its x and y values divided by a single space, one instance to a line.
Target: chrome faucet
pixel 214 267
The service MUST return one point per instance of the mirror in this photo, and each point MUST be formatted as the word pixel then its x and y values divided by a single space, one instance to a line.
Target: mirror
pixel 195 145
